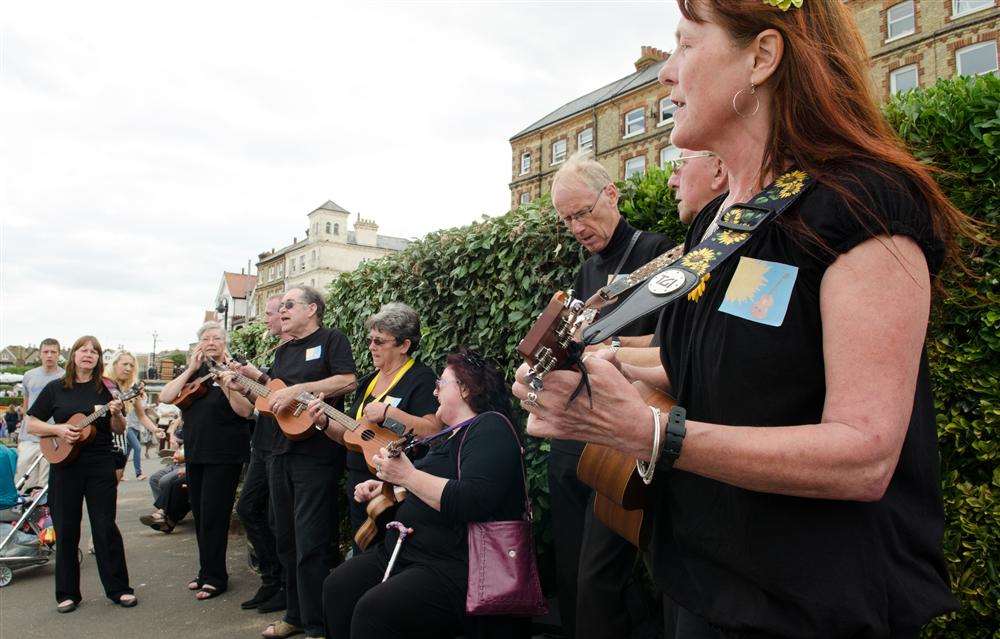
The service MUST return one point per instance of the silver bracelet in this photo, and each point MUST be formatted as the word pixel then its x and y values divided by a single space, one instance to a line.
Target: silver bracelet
pixel 647 469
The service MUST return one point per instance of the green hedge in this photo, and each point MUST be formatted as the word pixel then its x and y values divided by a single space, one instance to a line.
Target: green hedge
pixel 483 284
pixel 955 125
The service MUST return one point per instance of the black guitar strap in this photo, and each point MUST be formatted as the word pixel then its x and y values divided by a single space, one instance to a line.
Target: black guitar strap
pixel 736 226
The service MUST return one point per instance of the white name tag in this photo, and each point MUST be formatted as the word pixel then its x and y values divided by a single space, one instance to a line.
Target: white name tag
pixel 392 401
pixel 314 353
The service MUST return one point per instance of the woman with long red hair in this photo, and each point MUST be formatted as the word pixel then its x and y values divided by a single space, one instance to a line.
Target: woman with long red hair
pixel 90 476
pixel 800 494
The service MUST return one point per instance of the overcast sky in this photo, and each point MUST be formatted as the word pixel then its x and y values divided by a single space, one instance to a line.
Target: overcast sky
pixel 146 148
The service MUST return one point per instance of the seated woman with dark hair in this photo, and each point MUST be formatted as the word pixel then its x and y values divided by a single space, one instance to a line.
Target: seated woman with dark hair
pixel 425 594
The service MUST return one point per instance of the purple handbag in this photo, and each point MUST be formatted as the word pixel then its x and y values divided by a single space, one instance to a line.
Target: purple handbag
pixel 503 574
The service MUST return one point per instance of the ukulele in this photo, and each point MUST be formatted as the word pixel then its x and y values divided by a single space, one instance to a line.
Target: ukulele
pixel 382 508
pixel 58 452
pixel 620 498
pixel 296 424
pixel 191 392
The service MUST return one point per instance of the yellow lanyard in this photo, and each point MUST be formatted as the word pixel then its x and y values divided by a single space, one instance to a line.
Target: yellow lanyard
pixel 371 386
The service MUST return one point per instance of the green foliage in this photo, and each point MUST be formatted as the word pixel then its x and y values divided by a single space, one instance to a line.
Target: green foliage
pixel 955 125
pixel 648 203
pixel 179 359
pixel 18 370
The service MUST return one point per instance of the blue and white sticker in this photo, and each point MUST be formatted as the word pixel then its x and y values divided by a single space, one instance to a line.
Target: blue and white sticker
pixel 314 353
pixel 392 401
pixel 760 291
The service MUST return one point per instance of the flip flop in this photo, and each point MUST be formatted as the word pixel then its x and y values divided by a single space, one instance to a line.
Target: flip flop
pixel 280 630
pixel 66 606
pixel 126 603
pixel 195 584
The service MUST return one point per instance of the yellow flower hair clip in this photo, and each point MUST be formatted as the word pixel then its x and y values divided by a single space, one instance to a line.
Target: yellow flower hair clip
pixel 784 5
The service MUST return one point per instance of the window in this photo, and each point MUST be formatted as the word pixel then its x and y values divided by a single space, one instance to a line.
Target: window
pixel 903 79
pixel 635 122
pixel 977 59
pixel 558 151
pixel 312 258
pixel 302 262
pixel 336 228
pixel 900 20
pixel 962 7
pixel 668 154
pixel 585 140
pixel 525 198
pixel 291 265
pixel 635 166
pixel 667 109
pixel 281 269
pixel 270 274
pixel 328 227
pixel 525 162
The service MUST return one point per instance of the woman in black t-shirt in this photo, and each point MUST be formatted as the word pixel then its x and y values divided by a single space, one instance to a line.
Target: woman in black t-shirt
pixel 216 445
pixel 805 498
pixel 90 476
pixel 398 394
pixel 425 595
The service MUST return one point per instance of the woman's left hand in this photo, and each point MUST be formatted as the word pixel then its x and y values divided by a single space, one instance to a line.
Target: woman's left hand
pixel 395 470
pixel 375 412
pixel 614 415
pixel 116 407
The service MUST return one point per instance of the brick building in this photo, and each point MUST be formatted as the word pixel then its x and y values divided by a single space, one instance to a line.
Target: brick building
pixel 627 123
pixel 915 42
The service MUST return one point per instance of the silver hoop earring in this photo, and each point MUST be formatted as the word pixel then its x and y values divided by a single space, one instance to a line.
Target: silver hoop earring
pixel 756 106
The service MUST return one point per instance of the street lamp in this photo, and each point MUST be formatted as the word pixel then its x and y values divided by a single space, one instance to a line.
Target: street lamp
pixel 223 308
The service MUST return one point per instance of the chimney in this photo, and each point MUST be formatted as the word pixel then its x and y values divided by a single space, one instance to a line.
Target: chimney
pixel 649 56
pixel 366 232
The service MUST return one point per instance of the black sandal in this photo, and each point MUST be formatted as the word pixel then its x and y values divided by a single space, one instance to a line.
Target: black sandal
pixel 195 584
pixel 211 592
pixel 66 606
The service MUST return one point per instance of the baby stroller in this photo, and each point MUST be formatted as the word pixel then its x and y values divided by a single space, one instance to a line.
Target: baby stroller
pixel 26 534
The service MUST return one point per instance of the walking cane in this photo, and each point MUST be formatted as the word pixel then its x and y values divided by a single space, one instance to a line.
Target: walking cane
pixel 404 532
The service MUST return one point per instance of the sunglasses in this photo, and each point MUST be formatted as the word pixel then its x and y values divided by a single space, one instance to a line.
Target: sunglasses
pixel 289 304
pixel 379 341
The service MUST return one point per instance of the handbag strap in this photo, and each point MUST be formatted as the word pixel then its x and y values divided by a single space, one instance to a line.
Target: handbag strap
pixel 524 477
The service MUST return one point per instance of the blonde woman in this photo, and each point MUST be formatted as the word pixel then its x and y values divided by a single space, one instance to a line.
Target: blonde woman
pixel 123 372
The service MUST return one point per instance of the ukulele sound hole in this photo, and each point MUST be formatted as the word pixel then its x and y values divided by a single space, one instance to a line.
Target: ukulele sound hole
pixel 368 435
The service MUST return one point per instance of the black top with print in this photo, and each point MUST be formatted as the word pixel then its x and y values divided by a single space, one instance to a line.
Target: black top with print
pixel 60 403
pixel 779 565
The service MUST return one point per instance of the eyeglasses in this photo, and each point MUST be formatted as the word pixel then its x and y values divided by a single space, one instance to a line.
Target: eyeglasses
pixel 288 304
pixel 579 215
pixel 378 341
pixel 440 381
pixel 679 162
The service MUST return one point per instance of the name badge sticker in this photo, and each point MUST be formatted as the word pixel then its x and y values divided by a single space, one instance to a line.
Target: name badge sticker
pixel 314 353
pixel 392 401
pixel 760 291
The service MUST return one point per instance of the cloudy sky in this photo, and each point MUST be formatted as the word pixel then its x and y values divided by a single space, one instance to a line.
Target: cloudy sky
pixel 145 148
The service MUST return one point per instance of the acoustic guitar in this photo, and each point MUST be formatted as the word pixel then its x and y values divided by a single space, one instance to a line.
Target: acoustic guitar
pixel 58 452
pixel 620 499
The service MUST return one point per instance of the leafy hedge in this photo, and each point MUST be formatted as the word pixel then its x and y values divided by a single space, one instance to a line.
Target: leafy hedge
pixel 483 284
pixel 955 125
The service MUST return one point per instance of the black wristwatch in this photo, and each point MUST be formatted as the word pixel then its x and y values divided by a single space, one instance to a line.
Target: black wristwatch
pixel 324 426
pixel 675 438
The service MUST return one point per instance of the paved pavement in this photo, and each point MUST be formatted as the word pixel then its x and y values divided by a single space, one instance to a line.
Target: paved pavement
pixel 159 567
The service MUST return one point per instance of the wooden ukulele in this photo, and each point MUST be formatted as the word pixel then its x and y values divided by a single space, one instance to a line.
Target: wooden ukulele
pixel 292 420
pixel 192 391
pixel 620 498
pixel 58 452
pixel 382 508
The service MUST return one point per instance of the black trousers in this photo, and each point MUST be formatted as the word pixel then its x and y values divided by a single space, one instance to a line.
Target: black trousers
pixel 304 502
pixel 212 491
pixel 254 510
pixel 95 481
pixel 594 566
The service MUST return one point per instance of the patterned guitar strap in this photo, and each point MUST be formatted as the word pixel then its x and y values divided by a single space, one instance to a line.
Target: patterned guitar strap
pixel 737 225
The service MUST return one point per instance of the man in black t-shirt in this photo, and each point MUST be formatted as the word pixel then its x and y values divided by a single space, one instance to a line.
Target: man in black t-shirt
pixel 305 473
pixel 593 564
pixel 253 507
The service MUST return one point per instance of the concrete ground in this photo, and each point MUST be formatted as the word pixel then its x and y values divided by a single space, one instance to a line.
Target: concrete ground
pixel 159 568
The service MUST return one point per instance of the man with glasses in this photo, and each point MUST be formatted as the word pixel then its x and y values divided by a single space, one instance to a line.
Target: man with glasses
pixel 698 178
pixel 305 473
pixel 594 566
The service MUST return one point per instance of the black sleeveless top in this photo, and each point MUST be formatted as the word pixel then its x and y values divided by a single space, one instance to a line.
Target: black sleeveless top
pixel 749 352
